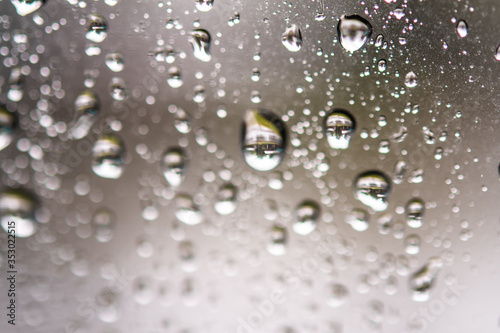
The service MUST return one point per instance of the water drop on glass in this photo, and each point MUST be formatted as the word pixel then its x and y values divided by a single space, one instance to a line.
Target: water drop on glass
pixel 226 199
pixel 115 62
pixel 354 32
pixel 263 139
pixel 382 65
pixel 97 28
pixel 187 211
pixel 372 188
pixel 462 29
pixel 358 219
pixel 174 77
pixel 86 111
pixel 411 80
pixel 412 244
pixel 278 240
pixel 339 127
pixel 422 281
pixel 336 295
pixel 204 5
pixel 107 156
pixel 17 212
pixel 415 213
pixel 8 127
pixel 292 38
pixel 103 223
pixel 306 217
pixel 200 42
pixel 117 89
pixel 25 7
pixel 173 166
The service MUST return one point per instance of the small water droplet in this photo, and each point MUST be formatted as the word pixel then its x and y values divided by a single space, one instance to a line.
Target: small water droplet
pixel 187 256
pixel 412 244
pixel 17 212
pixel 174 77
pixel 142 290
pixel 97 29
pixel 411 80
pixel 115 62
pixel 278 240
pixel 336 295
pixel 339 127
pixel 117 89
pixel 415 213
pixel 292 38
pixel 263 139
pixel 306 217
pixel 462 29
pixel 373 188
pixel 15 93
pixel 103 223
pixel 200 41
pixel 86 111
pixel 422 281
pixel 358 219
pixel 187 211
pixel 226 199
pixel 382 65
pixel 354 32
pixel 107 156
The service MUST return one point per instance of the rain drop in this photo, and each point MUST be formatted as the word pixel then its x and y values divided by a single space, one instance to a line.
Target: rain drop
pixel 422 281
pixel 226 199
pixel 25 7
pixel 292 38
pixel 358 219
pixel 372 188
pixel 462 29
pixel 86 111
pixel 336 295
pixel 354 32
pixel 306 217
pixel 204 5
pixel 200 41
pixel 187 211
pixel 173 166
pixel 115 62
pixel 278 239
pixel 263 139
pixel 411 80
pixel 339 127
pixel 17 212
pixel 107 156
pixel 8 127
pixel 97 28
pixel 415 213
pixel 103 223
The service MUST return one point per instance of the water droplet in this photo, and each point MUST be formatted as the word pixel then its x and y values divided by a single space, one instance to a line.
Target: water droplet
pixel 412 244
pixel 292 38
pixel 86 111
pixel 187 256
pixel 106 303
pixel 411 80
pixel 382 65
pixel 226 199
pixel 173 166
pixel 142 290
pixel 415 213
pixel 204 5
pixel 306 217
pixel 182 123
pixel 422 281
pixel 103 223
pixel 497 53
pixel 8 127
pixel 25 7
pixel 117 89
pixel 372 188
pixel 462 29
pixel 15 93
pixel 17 212
pixel 277 243
pixel 384 147
pixel 200 41
pixel 263 139
pixel 336 295
pixel 339 127
pixel 97 28
pixel 174 77
pixel 438 153
pixel 115 62
pixel 358 219
pixel 187 211
pixel 107 156
pixel 354 32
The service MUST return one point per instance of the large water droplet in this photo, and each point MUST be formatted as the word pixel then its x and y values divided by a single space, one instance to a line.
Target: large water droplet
pixel 97 28
pixel 204 5
pixel 17 212
pixel 278 240
pixel 226 199
pixel 200 41
pixel 173 166
pixel 415 213
pixel 115 62
pixel 107 156
pixel 411 80
pixel 86 110
pixel 187 211
pixel 8 127
pixel 354 32
pixel 25 7
pixel 263 139
pixel 462 29
pixel 103 223
pixel 372 188
pixel 422 281
pixel 292 38
pixel 306 217
pixel 339 127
